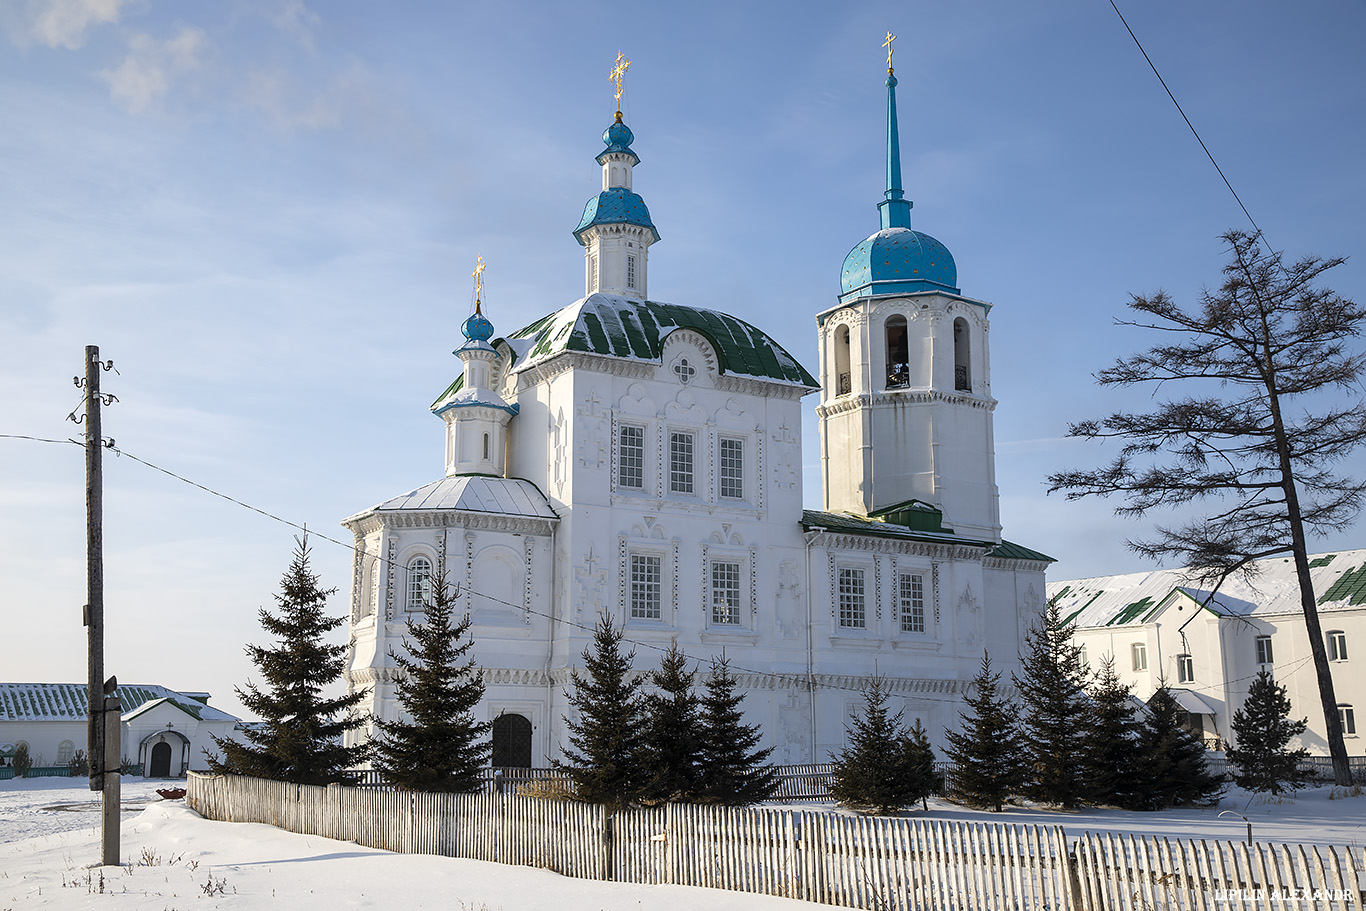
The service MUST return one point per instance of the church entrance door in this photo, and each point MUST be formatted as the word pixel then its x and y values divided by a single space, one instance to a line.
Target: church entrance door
pixel 161 761
pixel 512 742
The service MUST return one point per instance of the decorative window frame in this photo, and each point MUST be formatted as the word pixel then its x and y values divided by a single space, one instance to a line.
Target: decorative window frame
pixel 618 426
pixel 929 615
pixel 746 473
pixel 699 462
pixel 667 552
pixel 745 557
pixel 870 634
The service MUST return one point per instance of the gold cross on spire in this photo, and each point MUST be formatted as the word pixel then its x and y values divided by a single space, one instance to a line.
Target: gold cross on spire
pixel 478 281
pixel 617 72
pixel 888 45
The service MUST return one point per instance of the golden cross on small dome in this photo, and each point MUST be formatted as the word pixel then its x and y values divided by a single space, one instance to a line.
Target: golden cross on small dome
pixel 478 281
pixel 617 72
pixel 888 45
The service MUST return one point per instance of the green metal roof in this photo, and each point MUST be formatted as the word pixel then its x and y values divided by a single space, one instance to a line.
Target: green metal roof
pixel 1132 611
pixel 63 701
pixel 1008 550
pixel 620 327
pixel 1321 561
pixel 1349 585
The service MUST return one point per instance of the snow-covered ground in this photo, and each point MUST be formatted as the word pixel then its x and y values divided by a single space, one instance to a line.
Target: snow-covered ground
pixel 174 859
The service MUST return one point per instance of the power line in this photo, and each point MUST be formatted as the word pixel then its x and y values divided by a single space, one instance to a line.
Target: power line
pixel 793 676
pixel 1194 132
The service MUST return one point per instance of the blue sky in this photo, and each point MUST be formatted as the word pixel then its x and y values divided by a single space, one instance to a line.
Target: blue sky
pixel 266 214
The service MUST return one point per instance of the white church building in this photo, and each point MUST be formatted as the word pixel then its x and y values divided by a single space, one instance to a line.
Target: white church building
pixel 641 460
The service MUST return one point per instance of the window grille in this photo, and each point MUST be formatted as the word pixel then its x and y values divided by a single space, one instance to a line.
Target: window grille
pixel 725 592
pixel 631 457
pixel 630 271
pixel 645 587
pixel 419 583
pixel 912 603
pixel 680 462
pixel 732 464
pixel 853 614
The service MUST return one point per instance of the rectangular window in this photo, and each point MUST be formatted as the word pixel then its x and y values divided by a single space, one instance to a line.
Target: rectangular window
pixel 852 612
pixel 732 465
pixel 1082 663
pixel 912 592
pixel 1185 669
pixel 1347 718
pixel 631 457
pixel 1337 646
pixel 1263 649
pixel 645 587
pixel 630 271
pixel 725 592
pixel 593 273
pixel 680 462
pixel 1140 653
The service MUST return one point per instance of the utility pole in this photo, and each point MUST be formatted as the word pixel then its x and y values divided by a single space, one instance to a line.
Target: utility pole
pixel 100 731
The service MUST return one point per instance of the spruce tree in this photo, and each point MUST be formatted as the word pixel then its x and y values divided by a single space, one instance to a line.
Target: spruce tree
pixel 919 766
pixel 1263 730
pixel 1053 690
pixel 1110 766
pixel 876 771
pixel 606 757
pixel 673 731
pixel 300 737
pixel 733 769
pixel 986 753
pixel 1172 767
pixel 442 746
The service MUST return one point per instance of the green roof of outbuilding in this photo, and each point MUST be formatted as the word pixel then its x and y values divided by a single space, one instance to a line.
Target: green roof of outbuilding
pixel 1009 550
pixel 620 327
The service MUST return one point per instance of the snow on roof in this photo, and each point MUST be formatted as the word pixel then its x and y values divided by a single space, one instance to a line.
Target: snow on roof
pixel 476 493
pixel 1339 581
pixel 67 701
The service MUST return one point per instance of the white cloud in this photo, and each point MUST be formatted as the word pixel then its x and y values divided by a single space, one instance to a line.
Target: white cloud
pixel 64 22
pixel 145 75
pixel 294 18
pixel 292 104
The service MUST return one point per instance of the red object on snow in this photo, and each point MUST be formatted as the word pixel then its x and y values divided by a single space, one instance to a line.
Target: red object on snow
pixel 171 793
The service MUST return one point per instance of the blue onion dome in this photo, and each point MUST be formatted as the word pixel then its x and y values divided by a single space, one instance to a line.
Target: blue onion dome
pixel 477 328
pixel 618 138
pixel 898 261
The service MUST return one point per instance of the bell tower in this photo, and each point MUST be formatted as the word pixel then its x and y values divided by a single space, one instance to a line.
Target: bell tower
pixel 905 405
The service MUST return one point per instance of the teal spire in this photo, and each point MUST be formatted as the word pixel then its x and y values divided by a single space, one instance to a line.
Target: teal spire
pixel 895 211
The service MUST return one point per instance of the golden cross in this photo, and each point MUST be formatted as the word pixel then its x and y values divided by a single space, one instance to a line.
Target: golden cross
pixel 888 45
pixel 617 72
pixel 478 279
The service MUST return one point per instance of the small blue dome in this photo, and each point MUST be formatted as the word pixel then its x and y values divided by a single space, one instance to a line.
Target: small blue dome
pixel 898 261
pixel 617 205
pixel 618 138
pixel 477 328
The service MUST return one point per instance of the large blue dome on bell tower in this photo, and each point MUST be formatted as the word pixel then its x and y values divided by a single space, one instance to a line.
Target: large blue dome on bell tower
pixel 896 259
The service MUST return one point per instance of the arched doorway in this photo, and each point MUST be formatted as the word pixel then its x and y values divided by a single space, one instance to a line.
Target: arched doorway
pixel 161 761
pixel 512 741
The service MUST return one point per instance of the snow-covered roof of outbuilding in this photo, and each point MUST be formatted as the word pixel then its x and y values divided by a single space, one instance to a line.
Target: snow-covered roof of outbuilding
pixel 1339 581
pixel 67 701
pixel 474 493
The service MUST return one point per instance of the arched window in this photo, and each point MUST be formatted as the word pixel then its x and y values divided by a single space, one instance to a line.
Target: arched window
pixel 843 379
pixel 419 583
pixel 486 447
pixel 898 365
pixel 962 366
pixel 65 751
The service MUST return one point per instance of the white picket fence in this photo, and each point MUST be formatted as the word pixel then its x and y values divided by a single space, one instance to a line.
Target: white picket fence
pixel 906 864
